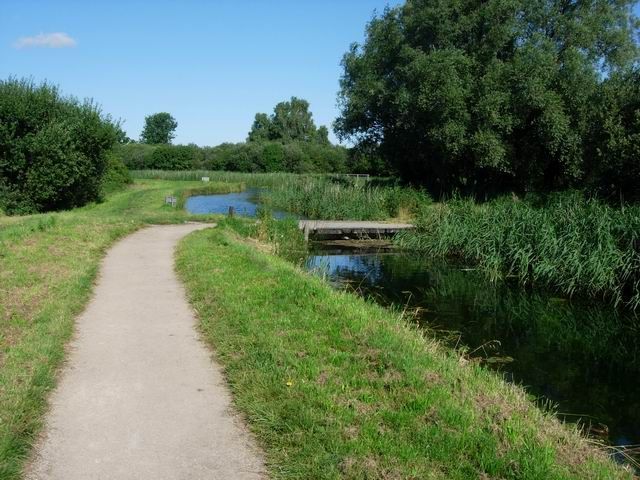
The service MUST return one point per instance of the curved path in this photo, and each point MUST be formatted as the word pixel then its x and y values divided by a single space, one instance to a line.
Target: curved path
pixel 141 397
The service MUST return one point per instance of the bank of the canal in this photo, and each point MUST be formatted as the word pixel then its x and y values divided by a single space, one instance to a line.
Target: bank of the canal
pixel 579 358
pixel 338 387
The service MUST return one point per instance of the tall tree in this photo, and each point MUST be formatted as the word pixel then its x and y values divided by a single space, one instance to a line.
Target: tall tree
pixel 291 121
pixel 483 95
pixel 159 128
pixel 261 128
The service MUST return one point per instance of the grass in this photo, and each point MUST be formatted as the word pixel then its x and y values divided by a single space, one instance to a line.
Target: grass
pixel 334 386
pixel 47 267
pixel 249 179
pixel 569 244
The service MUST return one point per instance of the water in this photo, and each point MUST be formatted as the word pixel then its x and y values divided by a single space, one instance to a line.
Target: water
pixel 583 358
pixel 244 203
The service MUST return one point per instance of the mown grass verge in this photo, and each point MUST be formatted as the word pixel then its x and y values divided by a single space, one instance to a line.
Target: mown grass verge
pixel 47 266
pixel 337 387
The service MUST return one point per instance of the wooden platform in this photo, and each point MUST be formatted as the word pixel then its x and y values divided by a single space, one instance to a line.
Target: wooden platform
pixel 350 228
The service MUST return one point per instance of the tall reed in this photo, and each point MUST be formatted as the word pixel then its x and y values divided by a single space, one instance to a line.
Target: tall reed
pixel 569 244
pixel 343 199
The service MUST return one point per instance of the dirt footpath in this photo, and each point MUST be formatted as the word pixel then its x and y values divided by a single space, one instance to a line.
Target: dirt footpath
pixel 140 397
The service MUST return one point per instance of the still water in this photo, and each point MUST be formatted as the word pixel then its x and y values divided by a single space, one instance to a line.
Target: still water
pixel 584 358
pixel 244 203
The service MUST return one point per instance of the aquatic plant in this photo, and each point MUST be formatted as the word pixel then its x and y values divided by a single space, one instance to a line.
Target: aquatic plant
pixel 570 244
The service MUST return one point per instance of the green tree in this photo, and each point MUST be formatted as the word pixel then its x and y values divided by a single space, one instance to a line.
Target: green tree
pixel 484 95
pixel 159 128
pixel 291 121
pixel 614 155
pixel 53 149
pixel 261 128
pixel 322 135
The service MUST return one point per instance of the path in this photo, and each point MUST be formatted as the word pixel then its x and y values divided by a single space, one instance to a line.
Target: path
pixel 141 397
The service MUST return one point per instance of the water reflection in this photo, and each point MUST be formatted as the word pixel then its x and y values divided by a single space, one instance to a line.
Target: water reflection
pixel 584 358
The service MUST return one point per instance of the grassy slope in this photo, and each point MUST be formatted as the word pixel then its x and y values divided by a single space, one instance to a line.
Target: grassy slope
pixel 335 387
pixel 47 267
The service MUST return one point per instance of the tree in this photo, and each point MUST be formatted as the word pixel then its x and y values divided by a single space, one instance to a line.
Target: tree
pixel 158 128
pixel 614 151
pixel 53 149
pixel 291 121
pixel 322 135
pixel 261 128
pixel 484 95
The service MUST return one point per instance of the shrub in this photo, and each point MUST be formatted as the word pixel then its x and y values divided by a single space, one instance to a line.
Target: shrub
pixel 116 176
pixel 294 156
pixel 53 149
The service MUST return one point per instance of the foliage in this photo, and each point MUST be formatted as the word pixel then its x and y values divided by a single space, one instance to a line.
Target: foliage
pixel 569 244
pixel 116 176
pixel 271 156
pixel 290 122
pixel 53 149
pixel 159 128
pixel 614 158
pixel 485 96
pixel 342 199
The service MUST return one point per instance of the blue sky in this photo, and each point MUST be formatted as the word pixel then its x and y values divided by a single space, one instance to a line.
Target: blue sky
pixel 212 64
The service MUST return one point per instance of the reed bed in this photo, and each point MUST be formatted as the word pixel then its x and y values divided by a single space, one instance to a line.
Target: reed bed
pixel 570 244
pixel 343 199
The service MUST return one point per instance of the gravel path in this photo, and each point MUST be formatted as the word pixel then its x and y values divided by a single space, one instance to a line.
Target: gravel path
pixel 140 397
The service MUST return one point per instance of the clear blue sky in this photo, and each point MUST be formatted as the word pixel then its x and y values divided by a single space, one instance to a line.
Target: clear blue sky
pixel 212 64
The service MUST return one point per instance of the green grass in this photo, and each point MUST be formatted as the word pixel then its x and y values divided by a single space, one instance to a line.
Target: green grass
pixel 336 387
pixel 568 244
pixel 249 179
pixel 333 386
pixel 47 266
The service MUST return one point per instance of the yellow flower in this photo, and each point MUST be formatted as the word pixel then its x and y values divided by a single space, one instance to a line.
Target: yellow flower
pixel 289 383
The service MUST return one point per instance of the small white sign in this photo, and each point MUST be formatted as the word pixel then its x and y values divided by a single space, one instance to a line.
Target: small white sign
pixel 205 179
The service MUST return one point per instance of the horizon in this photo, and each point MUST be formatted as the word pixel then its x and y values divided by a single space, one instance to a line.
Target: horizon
pixel 212 67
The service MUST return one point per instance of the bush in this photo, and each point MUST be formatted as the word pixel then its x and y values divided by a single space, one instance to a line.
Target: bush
pixel 53 149
pixel 298 157
pixel 117 175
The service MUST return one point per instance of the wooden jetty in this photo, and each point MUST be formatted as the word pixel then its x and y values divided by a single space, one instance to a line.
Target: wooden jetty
pixel 350 228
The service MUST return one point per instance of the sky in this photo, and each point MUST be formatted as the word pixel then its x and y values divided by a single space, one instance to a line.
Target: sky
pixel 211 64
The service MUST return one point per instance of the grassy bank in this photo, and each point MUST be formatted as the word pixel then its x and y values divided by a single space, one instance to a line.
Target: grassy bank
pixel 47 266
pixel 335 387
pixel 249 179
pixel 569 244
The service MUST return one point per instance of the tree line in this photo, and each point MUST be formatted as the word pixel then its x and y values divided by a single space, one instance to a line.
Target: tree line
pixel 287 140
pixel 490 96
